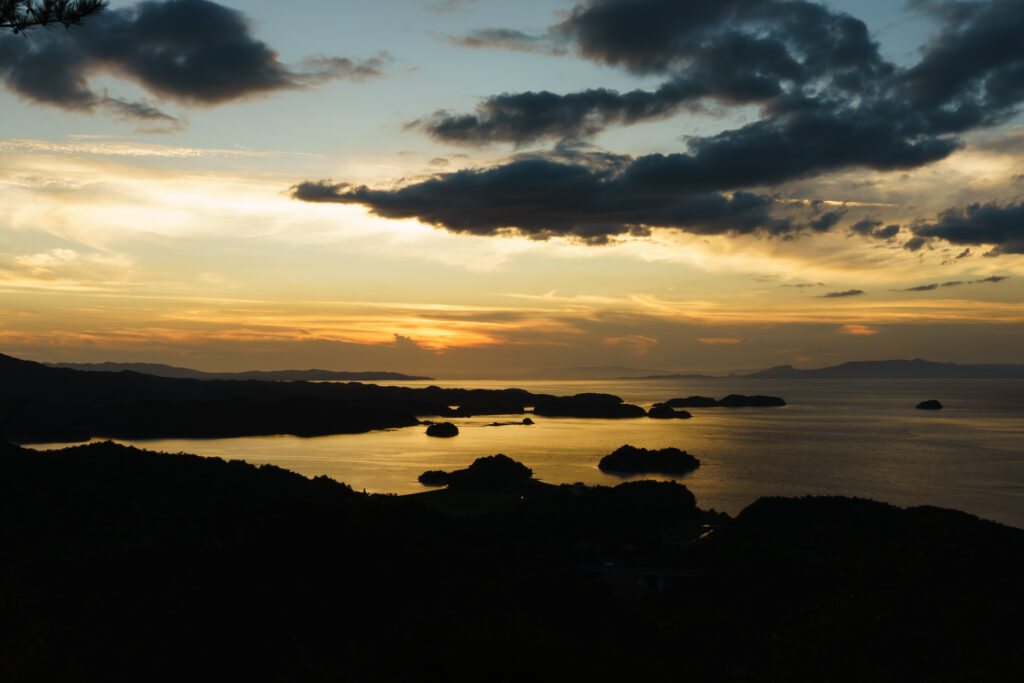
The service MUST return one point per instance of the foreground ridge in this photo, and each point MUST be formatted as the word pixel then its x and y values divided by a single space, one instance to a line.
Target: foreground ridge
pixel 117 558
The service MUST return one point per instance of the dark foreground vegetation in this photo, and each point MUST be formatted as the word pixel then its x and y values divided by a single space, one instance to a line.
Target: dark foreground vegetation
pixel 123 565
pixel 40 403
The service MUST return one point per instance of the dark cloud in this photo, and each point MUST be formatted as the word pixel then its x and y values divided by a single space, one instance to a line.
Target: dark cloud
pixel 734 52
pixel 888 232
pixel 922 288
pixel 914 243
pixel 827 220
pixel 193 52
pixel 866 226
pixel 954 283
pixel 964 254
pixel 581 197
pixel 1000 226
pixel 993 278
pixel 872 227
pixel 839 295
pixel 972 72
pixel 525 117
pixel 830 100
pixel 806 284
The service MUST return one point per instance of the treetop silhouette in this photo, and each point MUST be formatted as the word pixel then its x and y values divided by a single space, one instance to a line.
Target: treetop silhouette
pixel 19 15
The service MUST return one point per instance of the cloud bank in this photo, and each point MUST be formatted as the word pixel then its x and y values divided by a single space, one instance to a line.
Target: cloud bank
pixel 191 52
pixel 828 102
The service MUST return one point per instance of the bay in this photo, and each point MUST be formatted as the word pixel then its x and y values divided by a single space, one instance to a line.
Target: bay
pixel 850 437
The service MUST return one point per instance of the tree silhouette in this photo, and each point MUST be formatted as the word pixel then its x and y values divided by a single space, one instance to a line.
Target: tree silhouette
pixel 18 15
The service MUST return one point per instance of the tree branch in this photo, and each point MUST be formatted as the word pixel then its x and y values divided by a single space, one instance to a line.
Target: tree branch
pixel 18 15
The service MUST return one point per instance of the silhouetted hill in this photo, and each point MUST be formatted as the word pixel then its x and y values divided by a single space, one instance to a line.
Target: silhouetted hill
pixel 118 563
pixel 315 375
pixel 41 403
pixel 895 369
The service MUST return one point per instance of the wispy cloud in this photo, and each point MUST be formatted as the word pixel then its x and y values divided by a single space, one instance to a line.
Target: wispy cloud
pixel 956 283
pixel 123 148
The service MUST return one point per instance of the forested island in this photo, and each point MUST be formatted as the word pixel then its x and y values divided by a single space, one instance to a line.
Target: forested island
pixel 628 458
pixel 124 564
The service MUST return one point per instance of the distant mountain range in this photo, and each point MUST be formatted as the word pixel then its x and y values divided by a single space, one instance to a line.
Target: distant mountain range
pixel 869 369
pixel 880 369
pixel 161 370
pixel 894 369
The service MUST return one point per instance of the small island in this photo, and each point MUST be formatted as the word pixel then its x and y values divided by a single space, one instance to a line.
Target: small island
pixel 442 430
pixel 664 461
pixel 524 421
pixel 485 474
pixel 663 411
pixel 931 404
pixel 692 402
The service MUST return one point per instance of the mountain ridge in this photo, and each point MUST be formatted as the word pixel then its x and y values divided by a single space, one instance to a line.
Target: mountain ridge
pixel 895 369
pixel 311 375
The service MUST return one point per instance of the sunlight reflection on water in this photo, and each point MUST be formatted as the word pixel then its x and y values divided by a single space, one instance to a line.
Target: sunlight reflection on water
pixel 856 438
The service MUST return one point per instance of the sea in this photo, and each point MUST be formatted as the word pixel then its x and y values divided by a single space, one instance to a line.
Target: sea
pixel 861 438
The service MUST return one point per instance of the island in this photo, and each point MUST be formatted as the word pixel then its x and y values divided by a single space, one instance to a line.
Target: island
pixel 642 460
pixel 443 430
pixel 692 402
pixel 484 474
pixel 524 421
pixel 664 411
pixel 931 404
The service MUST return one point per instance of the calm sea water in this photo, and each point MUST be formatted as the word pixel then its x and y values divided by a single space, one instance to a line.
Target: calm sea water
pixel 853 437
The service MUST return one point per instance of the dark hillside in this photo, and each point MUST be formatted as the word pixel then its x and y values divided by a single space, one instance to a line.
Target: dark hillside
pixel 118 564
pixel 42 403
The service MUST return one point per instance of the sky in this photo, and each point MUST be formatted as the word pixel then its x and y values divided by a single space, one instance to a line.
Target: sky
pixel 468 188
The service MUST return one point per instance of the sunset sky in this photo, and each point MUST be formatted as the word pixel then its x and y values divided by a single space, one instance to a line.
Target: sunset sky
pixel 481 188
